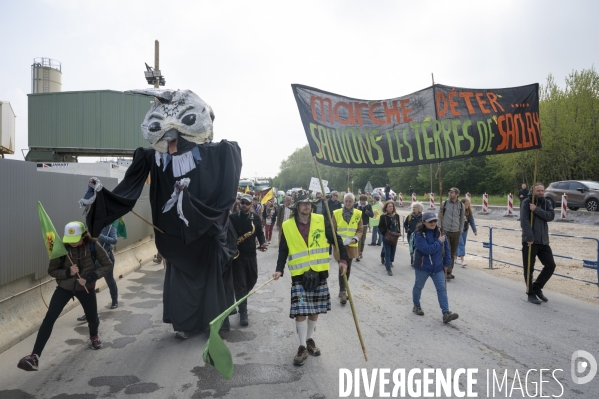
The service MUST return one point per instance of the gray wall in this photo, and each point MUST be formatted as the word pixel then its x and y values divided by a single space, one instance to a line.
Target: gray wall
pixel 22 250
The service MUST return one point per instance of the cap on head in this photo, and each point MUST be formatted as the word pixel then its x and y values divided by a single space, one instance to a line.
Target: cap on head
pixel 429 216
pixel 455 190
pixel 302 196
pixel 73 232
pixel 246 197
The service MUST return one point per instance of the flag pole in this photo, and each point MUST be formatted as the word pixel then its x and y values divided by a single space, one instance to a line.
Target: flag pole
pixel 136 214
pixel 78 275
pixel 441 219
pixel 534 182
pixel 351 301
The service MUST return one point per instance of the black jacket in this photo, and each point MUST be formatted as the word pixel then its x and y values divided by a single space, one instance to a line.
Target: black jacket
pixel 386 222
pixel 242 225
pixel 524 193
pixel 366 212
pixel 539 232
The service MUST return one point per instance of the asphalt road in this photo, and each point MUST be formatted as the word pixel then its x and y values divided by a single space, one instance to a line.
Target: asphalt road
pixel 497 331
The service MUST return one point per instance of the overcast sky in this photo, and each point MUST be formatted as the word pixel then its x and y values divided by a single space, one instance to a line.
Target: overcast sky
pixel 242 56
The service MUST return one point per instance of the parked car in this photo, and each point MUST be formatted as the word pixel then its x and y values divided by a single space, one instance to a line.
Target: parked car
pixel 381 190
pixel 581 193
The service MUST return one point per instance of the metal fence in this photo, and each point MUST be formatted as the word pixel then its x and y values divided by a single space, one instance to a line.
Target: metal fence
pixel 22 251
pixel 585 262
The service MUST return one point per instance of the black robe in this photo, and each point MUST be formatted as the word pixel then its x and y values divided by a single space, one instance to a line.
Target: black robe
pixel 197 255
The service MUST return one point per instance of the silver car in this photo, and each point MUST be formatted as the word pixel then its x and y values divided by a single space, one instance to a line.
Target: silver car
pixel 581 193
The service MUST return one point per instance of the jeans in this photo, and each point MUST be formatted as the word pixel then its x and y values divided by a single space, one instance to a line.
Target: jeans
pixel 462 244
pixel 545 256
pixel 454 240
pixel 375 233
pixel 438 280
pixel 268 231
pixel 389 254
pixel 111 282
pixel 59 300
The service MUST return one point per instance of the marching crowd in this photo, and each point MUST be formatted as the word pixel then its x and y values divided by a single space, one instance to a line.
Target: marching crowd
pixel 307 237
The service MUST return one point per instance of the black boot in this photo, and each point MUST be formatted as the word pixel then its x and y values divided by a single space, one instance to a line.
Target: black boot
pixel 243 318
pixel 532 298
pixel 115 304
pixel 539 293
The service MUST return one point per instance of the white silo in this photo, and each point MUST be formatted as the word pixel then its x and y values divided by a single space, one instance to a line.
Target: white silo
pixel 46 75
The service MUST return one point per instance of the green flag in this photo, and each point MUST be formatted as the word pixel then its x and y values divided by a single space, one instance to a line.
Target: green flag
pixel 121 229
pixel 216 352
pixel 52 240
pixel 376 209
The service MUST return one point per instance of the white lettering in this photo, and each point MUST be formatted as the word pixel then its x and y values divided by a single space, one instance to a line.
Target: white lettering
pixel 344 388
pixel 533 382
pixel 471 381
pixel 541 381
pixel 560 384
pixel 456 383
pixel 411 383
pixel 427 380
pixel 383 382
pixel 399 384
pixel 369 382
pixel 496 382
pixel 516 378
pixel 443 381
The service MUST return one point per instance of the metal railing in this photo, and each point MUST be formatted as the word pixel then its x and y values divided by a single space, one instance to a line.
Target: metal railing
pixel 585 262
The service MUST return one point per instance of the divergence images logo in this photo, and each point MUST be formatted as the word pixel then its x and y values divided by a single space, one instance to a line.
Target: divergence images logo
pixel 581 360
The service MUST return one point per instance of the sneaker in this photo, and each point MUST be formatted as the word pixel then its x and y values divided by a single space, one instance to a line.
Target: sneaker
pixel 181 335
pixel 450 276
pixel 378 244
pixel 389 272
pixel 539 293
pixel 371 244
pixel 82 318
pixel 312 348
pixel 243 319
pixel 358 259
pixel 114 305
pixel 448 316
pixel 417 310
pixel 95 343
pixel 157 259
pixel 302 355
pixel 343 297
pixel 463 263
pixel 29 363
pixel 532 298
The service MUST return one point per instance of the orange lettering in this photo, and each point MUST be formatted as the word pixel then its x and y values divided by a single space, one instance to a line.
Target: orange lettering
pixel 467 95
pixel 453 104
pixel 502 132
pixel 441 111
pixel 393 112
pixel 405 111
pixel 518 129
pixel 537 137
pixel 371 114
pixel 350 112
pixel 323 101
pixel 493 101
pixel 481 103
pixel 358 108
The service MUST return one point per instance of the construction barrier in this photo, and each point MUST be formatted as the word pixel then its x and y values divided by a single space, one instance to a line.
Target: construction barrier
pixel 564 205
pixel 432 201
pixel 414 197
pixel 585 262
pixel 485 203
pixel 510 204
pixel 400 200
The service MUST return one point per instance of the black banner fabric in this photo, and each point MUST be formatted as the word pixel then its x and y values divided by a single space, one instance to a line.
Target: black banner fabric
pixel 434 124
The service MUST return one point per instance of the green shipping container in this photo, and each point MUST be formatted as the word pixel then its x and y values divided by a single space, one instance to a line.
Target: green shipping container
pixel 92 123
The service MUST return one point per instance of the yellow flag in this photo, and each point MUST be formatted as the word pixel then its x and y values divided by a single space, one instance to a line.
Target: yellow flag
pixel 247 189
pixel 269 195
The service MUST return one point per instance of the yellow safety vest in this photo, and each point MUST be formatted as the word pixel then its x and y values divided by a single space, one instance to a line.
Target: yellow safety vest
pixel 304 257
pixel 347 230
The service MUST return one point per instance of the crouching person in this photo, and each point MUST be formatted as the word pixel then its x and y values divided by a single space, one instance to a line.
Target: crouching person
pixel 304 246
pixel 73 280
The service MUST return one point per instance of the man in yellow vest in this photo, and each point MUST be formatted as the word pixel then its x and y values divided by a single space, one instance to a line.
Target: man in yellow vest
pixel 304 247
pixel 347 222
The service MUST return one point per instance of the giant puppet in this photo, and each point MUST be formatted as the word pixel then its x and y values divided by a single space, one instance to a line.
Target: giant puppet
pixel 193 185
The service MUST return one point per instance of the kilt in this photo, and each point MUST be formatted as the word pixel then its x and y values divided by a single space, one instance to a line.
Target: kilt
pixel 308 303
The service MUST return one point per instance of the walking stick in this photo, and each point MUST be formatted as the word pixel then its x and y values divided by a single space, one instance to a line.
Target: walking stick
pixel 351 301
pixel 441 219
pixel 534 179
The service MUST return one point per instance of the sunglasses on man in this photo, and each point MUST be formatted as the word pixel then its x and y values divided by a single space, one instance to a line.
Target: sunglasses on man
pixel 245 203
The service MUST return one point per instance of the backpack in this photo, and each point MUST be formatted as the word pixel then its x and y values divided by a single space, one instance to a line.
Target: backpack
pixel 461 207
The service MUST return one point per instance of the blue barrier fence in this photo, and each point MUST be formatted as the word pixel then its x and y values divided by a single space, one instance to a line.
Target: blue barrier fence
pixel 585 262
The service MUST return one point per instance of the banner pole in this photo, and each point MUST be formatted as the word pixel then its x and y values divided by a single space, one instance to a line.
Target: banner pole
pixel 78 275
pixel 441 219
pixel 136 214
pixel 351 301
pixel 534 182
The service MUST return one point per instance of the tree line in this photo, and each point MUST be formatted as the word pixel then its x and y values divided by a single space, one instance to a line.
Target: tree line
pixel 570 138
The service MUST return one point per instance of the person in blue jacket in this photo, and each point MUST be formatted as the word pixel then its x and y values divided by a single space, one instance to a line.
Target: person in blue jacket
pixel 432 257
